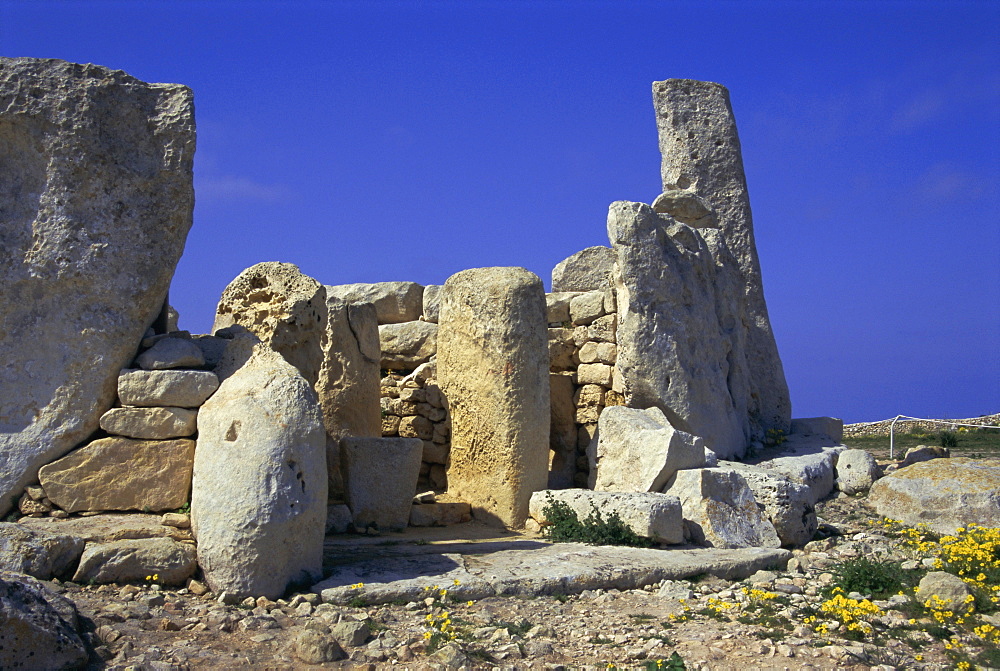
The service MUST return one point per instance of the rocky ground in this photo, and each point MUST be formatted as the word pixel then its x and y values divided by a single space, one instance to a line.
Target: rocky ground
pixel 708 623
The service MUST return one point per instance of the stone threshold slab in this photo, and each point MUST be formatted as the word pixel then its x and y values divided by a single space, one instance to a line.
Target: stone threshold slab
pixel 523 567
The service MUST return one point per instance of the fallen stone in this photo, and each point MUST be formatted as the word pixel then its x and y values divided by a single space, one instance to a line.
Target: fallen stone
pixel 407 345
pixel 150 423
pixel 395 302
pixel 260 477
pixel 807 461
pixel 650 515
pixel 493 366
pixel 380 479
pixel 856 471
pixel 171 353
pixel 440 514
pixel 701 154
pixel 160 561
pixel 177 388
pixel 431 303
pixel 587 270
pixel 351 633
pixel 945 591
pixel 315 647
pixel 284 308
pixel 97 203
pixel 37 553
pixel 37 625
pixel 831 427
pixel 944 494
pixel 788 505
pixel 915 455
pixel 720 510
pixel 121 474
pixel 639 451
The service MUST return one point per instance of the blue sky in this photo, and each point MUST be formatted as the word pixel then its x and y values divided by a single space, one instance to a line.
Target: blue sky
pixel 384 141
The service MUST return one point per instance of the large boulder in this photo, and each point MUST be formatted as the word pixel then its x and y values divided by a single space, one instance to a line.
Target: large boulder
pixel 38 553
pixel 650 515
pixel 788 505
pixel 493 366
pixel 407 345
pixel 807 461
pixel 121 474
pixel 348 385
pixel 681 345
pixel 38 628
pixel 259 493
pixel 96 200
pixel 639 451
pixel 395 302
pixel 380 479
pixel 281 306
pixel 720 510
pixel 587 270
pixel 944 494
pixel 136 560
pixel 701 154
pixel 856 471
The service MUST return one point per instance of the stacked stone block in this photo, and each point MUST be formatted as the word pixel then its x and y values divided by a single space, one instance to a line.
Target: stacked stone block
pixel 413 406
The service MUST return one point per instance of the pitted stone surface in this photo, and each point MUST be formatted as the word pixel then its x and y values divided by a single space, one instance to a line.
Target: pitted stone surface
pixel 587 270
pixel 96 200
pixel 155 388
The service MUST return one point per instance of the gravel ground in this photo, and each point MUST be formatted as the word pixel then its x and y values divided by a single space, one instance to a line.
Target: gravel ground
pixel 143 627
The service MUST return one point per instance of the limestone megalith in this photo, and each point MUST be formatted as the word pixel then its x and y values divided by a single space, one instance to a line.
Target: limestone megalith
pixel 96 200
pixel 701 155
pixel 493 365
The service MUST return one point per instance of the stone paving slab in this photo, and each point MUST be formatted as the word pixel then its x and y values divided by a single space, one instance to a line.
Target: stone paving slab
pixel 389 571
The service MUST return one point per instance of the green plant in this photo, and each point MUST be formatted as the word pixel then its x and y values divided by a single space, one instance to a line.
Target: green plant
pixel 564 526
pixel 185 509
pixel 948 439
pixel 774 437
pixel 357 602
pixel 876 578
pixel 513 628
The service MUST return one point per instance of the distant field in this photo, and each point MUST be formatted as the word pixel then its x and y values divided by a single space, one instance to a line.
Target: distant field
pixel 971 443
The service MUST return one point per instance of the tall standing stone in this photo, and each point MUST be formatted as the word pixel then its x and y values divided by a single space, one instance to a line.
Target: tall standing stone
pixel 702 156
pixel 493 365
pixel 96 201
pixel 259 489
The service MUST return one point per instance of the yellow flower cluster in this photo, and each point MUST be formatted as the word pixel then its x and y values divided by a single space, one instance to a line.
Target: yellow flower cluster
pixel 759 595
pixel 854 614
pixel 440 626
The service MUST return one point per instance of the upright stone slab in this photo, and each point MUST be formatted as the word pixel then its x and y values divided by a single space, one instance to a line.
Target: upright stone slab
pixel 493 365
pixel 281 306
pixel 681 346
pixel 702 155
pixel 348 385
pixel 380 479
pixel 96 200
pixel 259 492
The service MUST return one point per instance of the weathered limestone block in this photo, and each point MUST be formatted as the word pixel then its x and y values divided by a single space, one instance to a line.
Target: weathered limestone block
pixel 38 553
pixel 586 308
pixel 788 505
pixel 831 427
pixel 431 303
pixel 562 349
pixel 557 306
pixel 650 515
pixel 915 455
pixel 720 510
pixel 855 472
pixel 562 432
pixel 416 426
pixel 212 348
pixel 639 451
pixel 599 352
pixel 260 477
pixel 178 388
pixel 603 329
pixel 806 461
pixel 587 270
pixel 950 591
pixel 686 207
pixel 407 345
pixel 134 559
pixel 380 479
pixel 395 302
pixel 348 385
pixel 96 201
pixel 701 154
pixel 441 514
pixel 121 474
pixel 944 494
pixel 37 625
pixel 150 423
pixel 493 365
pixel 171 353
pixel 594 373
pixel 108 527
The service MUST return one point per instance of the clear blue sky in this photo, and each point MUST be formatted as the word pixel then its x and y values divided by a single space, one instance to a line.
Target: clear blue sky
pixel 369 141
